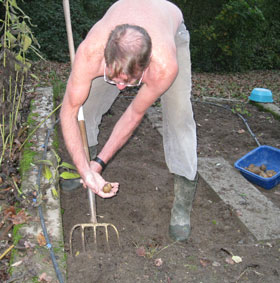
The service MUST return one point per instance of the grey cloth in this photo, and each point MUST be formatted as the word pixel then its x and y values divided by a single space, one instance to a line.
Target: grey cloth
pixel 100 99
pixel 179 129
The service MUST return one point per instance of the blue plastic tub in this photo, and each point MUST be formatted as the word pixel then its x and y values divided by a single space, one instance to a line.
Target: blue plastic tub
pixel 267 155
pixel 261 95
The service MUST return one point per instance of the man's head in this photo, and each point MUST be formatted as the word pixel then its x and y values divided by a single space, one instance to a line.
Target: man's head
pixel 127 52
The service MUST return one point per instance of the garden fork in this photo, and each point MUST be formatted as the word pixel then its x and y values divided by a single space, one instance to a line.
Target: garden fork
pixel 93 224
pixel 92 203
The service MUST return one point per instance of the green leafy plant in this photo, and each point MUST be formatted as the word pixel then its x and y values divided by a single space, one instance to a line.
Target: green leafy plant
pixel 16 40
pixel 241 109
pixel 51 171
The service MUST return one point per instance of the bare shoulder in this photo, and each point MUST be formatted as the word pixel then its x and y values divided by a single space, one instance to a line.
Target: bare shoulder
pixel 89 55
pixel 94 43
pixel 164 60
pixel 157 79
pixel 162 71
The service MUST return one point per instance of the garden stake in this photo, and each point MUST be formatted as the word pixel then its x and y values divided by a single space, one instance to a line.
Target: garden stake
pixel 92 203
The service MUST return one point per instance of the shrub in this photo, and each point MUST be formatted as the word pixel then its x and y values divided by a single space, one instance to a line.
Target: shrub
pixel 231 39
pixel 50 29
pixel 268 51
pixel 95 9
pixel 226 35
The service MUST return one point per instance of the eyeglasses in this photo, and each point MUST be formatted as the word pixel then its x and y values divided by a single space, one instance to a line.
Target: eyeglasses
pixel 136 83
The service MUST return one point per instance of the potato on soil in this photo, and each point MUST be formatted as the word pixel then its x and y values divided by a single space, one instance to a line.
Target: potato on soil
pixel 107 188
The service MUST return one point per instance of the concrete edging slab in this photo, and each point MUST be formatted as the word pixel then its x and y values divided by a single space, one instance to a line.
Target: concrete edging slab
pixel 255 210
pixel 36 259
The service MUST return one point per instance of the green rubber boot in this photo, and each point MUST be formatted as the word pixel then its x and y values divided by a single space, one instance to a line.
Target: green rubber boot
pixel 184 190
pixel 74 184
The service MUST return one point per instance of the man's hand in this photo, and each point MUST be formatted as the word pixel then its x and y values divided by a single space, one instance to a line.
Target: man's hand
pixel 95 182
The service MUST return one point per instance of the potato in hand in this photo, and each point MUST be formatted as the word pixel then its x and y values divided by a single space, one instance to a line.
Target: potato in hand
pixel 107 188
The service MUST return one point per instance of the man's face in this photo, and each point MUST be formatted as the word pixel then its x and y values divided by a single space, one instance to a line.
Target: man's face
pixel 121 81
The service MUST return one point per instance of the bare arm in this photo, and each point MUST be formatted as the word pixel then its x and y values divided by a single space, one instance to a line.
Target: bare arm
pixel 133 115
pixel 77 90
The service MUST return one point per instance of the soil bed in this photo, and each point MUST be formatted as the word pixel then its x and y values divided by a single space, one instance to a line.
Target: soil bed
pixel 141 210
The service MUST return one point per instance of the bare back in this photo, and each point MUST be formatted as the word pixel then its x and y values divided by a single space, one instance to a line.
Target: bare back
pixel 159 18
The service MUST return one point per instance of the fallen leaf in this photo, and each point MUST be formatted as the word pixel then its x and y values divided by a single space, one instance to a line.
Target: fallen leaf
pixel 17 263
pixel 216 264
pixel 236 259
pixel 141 251
pixel 18 143
pixel 238 213
pixel 229 260
pixel 20 218
pixel 41 239
pixel 204 262
pixel 44 278
pixel 28 244
pixel 158 262
pixel 10 210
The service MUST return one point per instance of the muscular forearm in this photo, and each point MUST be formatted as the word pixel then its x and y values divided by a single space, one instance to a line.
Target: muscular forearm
pixel 90 175
pixel 73 141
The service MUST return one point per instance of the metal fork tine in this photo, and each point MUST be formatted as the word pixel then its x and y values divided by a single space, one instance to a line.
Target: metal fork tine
pixel 117 233
pixel 83 237
pixel 106 233
pixel 94 234
pixel 94 226
pixel 107 238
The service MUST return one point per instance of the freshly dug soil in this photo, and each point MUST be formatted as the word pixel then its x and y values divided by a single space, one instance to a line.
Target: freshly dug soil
pixel 141 210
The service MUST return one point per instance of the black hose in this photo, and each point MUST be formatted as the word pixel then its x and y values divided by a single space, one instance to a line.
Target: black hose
pixel 49 246
pixel 250 131
pixel 240 116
